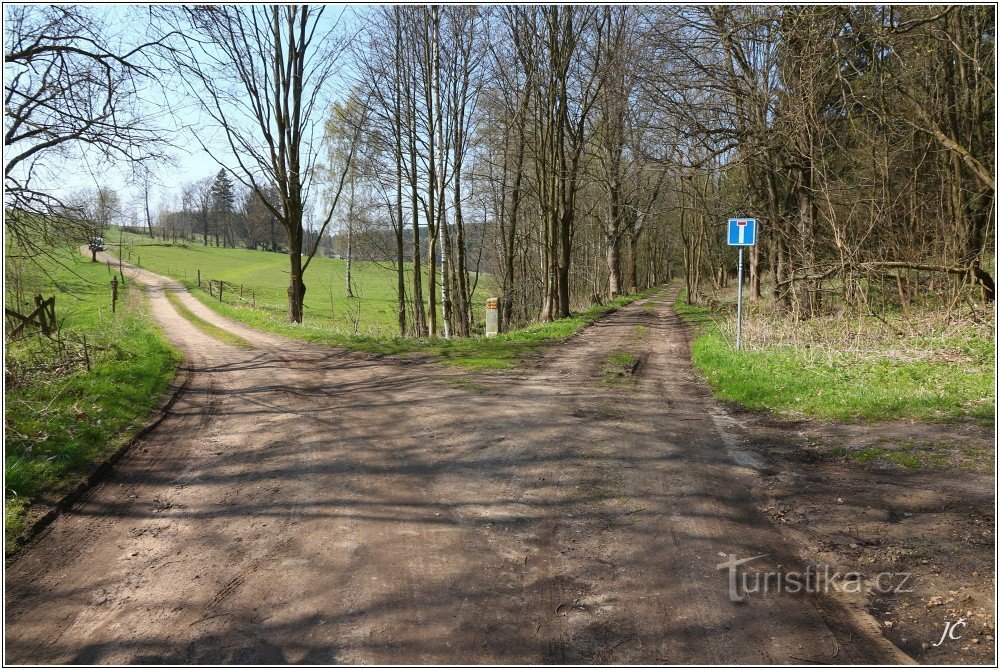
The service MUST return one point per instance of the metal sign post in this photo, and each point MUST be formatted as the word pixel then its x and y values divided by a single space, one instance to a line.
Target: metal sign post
pixel 739 304
pixel 742 233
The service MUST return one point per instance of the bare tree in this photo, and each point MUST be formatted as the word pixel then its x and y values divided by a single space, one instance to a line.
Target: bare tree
pixel 383 76
pixel 343 127
pixel 70 91
pixel 260 74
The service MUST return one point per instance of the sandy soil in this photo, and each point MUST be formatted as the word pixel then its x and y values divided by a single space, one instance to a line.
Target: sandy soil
pixel 305 505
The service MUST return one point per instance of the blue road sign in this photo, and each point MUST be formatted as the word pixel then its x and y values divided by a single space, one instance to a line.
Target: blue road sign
pixel 742 232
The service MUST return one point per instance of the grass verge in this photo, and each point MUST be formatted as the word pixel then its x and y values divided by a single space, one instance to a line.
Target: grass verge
pixel 209 329
pixel 938 379
pixel 912 453
pixel 62 419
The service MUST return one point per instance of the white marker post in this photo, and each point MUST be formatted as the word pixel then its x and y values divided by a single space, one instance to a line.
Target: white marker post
pixel 742 233
pixel 492 320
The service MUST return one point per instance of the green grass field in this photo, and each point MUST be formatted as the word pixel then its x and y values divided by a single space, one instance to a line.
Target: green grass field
pixel 264 277
pixel 923 377
pixel 62 419
pixel 364 324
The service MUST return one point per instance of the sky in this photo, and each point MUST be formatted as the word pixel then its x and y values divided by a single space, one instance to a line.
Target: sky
pixel 187 161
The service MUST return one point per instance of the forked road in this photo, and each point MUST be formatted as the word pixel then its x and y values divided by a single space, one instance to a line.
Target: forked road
pixel 304 505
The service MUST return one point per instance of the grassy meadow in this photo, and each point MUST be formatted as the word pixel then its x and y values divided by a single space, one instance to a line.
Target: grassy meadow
pixel 264 277
pixel 62 418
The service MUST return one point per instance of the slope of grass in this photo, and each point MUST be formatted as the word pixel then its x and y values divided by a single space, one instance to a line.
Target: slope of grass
pixel 62 420
pixel 264 277
pixel 921 377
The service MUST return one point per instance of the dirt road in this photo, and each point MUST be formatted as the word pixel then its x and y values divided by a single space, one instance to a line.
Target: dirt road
pixel 304 505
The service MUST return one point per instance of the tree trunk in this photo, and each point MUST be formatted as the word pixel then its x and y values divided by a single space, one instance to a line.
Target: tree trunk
pixel 565 256
pixel 350 254
pixel 296 287
pixel 431 97
pixel 633 264
pixel 149 219
pixel 614 267
pixel 464 319
pixel 507 304
pixel 398 127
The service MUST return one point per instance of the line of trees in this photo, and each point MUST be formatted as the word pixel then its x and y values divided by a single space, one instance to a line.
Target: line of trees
pixel 610 144
pixel 216 211
pixel 512 136
pixel 573 153
pixel 862 137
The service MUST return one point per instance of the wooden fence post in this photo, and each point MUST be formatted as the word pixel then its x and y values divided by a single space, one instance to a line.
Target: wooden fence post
pixel 46 310
pixel 41 314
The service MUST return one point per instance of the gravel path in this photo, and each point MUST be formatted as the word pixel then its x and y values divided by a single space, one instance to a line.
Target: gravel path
pixel 306 505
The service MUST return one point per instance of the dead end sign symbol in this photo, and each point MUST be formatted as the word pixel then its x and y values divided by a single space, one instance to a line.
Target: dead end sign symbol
pixel 742 232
